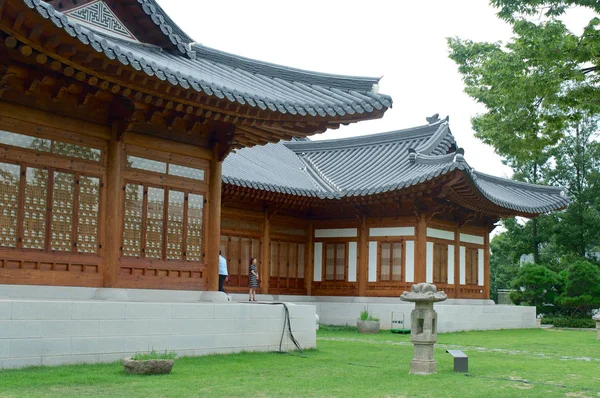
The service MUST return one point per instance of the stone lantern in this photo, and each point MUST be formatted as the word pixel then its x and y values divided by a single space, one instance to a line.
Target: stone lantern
pixel 423 332
pixel 597 319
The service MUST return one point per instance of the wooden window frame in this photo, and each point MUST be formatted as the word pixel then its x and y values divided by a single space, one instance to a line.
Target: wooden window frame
pixel 474 267
pixel 402 243
pixel 48 214
pixel 166 188
pixel 324 261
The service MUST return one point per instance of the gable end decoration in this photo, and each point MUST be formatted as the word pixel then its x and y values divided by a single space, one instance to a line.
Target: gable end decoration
pixel 99 15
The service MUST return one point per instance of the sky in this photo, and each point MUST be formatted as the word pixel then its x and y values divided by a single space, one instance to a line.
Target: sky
pixel 404 42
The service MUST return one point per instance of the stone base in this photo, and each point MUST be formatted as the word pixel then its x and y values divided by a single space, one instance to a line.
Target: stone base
pixel 420 367
pixel 148 367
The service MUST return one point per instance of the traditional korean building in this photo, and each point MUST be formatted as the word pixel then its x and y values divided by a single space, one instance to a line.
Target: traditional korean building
pixel 130 155
pixel 113 128
pixel 369 215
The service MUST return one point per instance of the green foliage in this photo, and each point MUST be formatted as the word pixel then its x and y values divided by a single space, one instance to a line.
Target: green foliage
pixel 538 286
pixel 144 356
pixel 337 328
pixel 581 293
pixel 568 322
pixel 365 315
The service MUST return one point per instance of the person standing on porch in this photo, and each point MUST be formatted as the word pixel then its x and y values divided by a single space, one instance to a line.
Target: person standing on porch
pixel 253 274
pixel 223 274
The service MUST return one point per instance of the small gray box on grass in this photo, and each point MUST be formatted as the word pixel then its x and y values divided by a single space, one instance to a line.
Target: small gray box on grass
pixel 461 361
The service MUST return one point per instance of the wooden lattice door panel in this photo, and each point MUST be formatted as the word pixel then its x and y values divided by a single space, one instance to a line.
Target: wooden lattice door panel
pixel 440 263
pixel 239 251
pixel 287 265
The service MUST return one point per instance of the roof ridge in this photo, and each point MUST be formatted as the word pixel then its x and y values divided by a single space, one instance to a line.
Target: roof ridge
pixel 362 140
pixel 318 178
pixel 436 139
pixel 363 83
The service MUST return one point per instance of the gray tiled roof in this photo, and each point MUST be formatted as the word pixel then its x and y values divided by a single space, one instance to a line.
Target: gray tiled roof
pixel 372 164
pixel 242 80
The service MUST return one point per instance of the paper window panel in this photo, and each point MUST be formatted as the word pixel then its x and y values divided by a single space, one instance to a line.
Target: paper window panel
pixel 77 151
pixel 194 227
pixel 292 263
pixel 301 259
pixel 175 225
pixel 256 250
pixel 329 262
pixel 283 259
pixel 274 263
pixel 10 176
pixel 132 228
pixel 223 246
pixel 154 222
pixel 246 256
pixel 397 261
pixel 34 215
pixel 340 261
pixel 88 214
pixel 385 264
pixel 186 172
pixel 233 255
pixel 63 198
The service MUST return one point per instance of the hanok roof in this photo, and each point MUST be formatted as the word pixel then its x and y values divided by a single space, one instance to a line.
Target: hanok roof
pixel 302 95
pixel 375 164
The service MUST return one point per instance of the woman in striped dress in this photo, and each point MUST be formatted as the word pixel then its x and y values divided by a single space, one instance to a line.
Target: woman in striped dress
pixel 253 274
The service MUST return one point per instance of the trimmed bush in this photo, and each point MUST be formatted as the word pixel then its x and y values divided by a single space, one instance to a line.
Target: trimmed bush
pixel 566 322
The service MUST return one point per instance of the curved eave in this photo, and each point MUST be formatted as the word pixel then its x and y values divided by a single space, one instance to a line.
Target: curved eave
pixel 326 101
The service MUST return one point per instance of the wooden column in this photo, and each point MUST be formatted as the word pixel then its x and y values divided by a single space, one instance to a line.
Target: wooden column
pixel 265 264
pixel 114 207
pixel 457 261
pixel 214 222
pixel 486 265
pixel 421 250
pixel 363 257
pixel 309 268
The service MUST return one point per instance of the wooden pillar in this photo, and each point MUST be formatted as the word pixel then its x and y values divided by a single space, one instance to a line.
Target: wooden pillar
pixel 114 205
pixel 486 265
pixel 214 222
pixel 309 268
pixel 265 264
pixel 421 250
pixel 363 257
pixel 457 261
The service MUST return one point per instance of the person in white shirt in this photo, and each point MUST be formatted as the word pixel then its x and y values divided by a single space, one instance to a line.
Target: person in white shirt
pixel 223 274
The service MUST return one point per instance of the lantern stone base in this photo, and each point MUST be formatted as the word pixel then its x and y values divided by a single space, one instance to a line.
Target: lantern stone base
pixel 422 367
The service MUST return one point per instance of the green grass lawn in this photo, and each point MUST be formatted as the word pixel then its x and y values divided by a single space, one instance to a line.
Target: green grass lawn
pixel 506 363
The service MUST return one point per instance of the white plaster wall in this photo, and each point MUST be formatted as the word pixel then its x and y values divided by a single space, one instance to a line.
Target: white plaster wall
pixel 461 273
pixel 373 261
pixel 429 263
pixel 336 233
pixel 318 262
pixel 478 240
pixel 352 249
pixel 480 267
pixel 450 264
pixel 440 233
pixel 410 261
pixel 391 231
pixel 44 332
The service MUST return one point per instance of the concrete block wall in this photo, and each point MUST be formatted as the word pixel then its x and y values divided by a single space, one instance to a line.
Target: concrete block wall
pixel 53 332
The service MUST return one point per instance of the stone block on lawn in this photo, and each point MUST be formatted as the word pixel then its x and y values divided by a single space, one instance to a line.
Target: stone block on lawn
pixel 148 366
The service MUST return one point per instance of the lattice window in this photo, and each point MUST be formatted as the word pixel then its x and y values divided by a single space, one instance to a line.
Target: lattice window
pixel 170 230
pixel 63 198
pixel 186 172
pixel 440 263
pixel 46 145
pixel 194 227
pixel 88 213
pixel 10 177
pixel 35 209
pixel 335 261
pixel 390 261
pixel 155 213
pixel 471 266
pixel 301 259
pixel 132 228
pixel 175 225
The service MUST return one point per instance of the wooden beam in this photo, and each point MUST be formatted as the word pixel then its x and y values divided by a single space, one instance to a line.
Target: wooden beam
pixel 486 265
pixel 114 197
pixel 421 249
pixel 363 257
pixel 309 268
pixel 265 264
pixel 214 222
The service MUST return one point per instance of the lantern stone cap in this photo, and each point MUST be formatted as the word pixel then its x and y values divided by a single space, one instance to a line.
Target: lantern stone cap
pixel 596 317
pixel 423 292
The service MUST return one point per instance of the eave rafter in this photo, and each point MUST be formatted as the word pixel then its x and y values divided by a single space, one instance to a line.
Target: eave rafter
pixel 33 37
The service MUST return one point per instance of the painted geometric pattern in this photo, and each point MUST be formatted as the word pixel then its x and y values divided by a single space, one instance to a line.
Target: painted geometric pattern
pixel 98 14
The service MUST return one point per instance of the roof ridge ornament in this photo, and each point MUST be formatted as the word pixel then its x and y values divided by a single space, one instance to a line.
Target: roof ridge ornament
pixel 460 155
pixel 433 118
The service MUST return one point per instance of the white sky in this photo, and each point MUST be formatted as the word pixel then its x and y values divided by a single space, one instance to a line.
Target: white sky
pixel 403 41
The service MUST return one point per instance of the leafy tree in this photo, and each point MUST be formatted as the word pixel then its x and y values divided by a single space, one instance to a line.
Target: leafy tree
pixel 581 289
pixel 536 285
